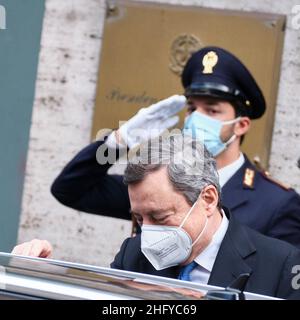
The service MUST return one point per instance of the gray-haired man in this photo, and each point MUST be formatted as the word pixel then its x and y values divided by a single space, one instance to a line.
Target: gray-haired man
pixel 176 200
pixel 175 196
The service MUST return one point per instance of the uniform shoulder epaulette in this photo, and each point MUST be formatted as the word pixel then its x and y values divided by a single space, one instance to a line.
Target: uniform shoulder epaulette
pixel 267 176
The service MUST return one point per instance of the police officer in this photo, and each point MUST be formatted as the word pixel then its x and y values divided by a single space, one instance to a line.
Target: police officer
pixel 223 98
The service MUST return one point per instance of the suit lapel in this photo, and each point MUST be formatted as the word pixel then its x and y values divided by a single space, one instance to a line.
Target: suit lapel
pixel 231 258
pixel 233 192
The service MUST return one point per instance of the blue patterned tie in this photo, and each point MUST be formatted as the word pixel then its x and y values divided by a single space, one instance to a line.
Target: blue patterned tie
pixel 186 270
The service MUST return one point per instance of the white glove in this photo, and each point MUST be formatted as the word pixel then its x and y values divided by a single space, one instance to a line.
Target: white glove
pixel 149 122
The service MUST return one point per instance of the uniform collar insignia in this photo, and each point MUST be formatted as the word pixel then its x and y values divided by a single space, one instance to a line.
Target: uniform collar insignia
pixel 249 178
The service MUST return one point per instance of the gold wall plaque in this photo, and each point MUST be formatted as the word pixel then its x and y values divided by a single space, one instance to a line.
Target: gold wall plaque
pixel 145 46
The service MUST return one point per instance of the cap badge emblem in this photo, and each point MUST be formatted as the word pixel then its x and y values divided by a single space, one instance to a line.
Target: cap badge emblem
pixel 209 61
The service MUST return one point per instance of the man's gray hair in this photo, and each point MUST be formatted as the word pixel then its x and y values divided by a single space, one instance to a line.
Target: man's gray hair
pixel 189 165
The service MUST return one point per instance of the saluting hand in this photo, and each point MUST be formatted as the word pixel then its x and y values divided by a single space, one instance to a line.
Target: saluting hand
pixel 149 122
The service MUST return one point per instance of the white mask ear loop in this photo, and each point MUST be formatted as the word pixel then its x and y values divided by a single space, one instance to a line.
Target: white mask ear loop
pixel 201 233
pixel 233 137
pixel 230 140
pixel 187 215
pixel 224 123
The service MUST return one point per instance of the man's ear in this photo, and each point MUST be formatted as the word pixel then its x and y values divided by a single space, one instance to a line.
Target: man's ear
pixel 242 126
pixel 209 197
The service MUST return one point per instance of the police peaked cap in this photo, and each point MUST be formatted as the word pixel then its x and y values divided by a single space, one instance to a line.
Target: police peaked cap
pixel 215 72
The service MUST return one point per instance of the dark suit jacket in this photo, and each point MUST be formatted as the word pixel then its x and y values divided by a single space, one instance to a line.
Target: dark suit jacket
pixel 85 185
pixel 269 261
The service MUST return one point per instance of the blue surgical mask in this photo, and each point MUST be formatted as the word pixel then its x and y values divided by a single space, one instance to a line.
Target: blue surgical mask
pixel 208 130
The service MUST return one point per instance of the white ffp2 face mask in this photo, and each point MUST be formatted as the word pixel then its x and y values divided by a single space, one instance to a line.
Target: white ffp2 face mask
pixel 167 246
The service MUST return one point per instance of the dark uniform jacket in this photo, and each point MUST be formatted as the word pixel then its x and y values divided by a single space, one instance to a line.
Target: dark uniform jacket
pixel 261 204
pixel 243 250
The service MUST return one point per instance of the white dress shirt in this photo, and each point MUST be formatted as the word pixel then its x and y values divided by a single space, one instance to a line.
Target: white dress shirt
pixel 207 257
pixel 227 172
